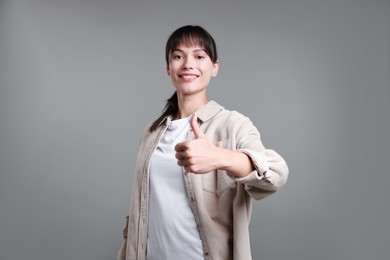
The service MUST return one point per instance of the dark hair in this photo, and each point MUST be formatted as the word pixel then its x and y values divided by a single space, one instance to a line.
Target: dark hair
pixel 189 35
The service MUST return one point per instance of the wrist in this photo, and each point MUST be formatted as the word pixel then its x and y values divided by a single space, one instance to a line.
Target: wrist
pixel 238 164
pixel 225 159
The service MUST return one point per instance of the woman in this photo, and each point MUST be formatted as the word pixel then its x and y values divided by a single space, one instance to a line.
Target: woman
pixel 198 167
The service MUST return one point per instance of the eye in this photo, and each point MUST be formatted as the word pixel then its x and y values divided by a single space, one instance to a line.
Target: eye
pixel 200 57
pixel 177 56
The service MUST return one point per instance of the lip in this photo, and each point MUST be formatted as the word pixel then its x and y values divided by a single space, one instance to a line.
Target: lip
pixel 187 77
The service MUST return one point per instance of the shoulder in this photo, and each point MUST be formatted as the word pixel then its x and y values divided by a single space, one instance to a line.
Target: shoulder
pixel 147 134
pixel 214 111
pixel 229 123
pixel 232 118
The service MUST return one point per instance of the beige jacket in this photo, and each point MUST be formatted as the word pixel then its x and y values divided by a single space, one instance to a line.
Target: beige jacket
pixel 220 202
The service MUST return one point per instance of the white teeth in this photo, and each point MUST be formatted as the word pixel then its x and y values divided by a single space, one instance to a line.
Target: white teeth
pixel 188 76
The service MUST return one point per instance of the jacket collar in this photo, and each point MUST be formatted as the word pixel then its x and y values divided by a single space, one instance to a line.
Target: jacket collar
pixel 204 113
pixel 208 110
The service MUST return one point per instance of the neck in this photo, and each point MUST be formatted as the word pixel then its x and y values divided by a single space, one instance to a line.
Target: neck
pixel 189 104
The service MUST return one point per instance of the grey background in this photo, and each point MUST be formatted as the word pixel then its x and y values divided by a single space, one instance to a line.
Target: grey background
pixel 80 79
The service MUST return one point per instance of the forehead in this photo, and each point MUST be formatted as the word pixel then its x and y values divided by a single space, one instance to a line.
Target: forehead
pixel 189 41
pixel 186 42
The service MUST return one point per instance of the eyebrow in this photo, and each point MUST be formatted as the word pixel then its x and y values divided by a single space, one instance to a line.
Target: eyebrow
pixel 196 50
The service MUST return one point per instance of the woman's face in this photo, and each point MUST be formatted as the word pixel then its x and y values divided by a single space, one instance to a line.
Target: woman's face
pixel 190 70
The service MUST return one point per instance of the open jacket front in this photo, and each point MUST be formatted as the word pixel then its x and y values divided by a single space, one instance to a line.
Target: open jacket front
pixel 221 203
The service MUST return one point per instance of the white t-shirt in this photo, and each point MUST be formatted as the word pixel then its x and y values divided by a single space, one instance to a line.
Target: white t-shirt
pixel 172 230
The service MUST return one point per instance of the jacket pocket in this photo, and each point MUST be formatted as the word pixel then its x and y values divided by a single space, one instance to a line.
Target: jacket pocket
pixel 217 182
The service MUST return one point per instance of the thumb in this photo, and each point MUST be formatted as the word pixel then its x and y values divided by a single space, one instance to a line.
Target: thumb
pixel 195 128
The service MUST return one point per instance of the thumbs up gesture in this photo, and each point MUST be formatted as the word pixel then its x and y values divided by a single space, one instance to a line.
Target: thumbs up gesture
pixel 198 155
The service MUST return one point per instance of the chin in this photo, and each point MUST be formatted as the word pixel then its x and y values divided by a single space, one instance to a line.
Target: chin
pixel 189 91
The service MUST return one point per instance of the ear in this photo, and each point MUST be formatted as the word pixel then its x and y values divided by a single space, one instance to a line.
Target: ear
pixel 169 74
pixel 215 69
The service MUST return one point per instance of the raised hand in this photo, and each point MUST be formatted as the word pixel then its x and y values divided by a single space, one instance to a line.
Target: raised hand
pixel 198 155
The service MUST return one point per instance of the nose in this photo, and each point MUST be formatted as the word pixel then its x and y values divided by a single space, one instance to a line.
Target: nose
pixel 188 64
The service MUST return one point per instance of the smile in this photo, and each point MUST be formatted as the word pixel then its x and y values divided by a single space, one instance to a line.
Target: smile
pixel 188 76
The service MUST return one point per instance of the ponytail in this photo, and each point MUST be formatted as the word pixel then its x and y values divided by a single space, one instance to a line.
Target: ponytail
pixel 170 109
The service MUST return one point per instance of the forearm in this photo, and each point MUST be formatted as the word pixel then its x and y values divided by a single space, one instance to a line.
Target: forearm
pixel 237 163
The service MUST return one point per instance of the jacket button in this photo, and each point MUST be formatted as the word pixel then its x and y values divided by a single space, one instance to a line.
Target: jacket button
pixel 192 199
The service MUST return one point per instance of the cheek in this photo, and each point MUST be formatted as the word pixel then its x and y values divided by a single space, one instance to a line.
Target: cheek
pixel 208 71
pixel 209 68
pixel 172 68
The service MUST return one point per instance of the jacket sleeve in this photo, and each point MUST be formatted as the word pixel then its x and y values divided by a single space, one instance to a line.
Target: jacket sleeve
pixel 271 170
